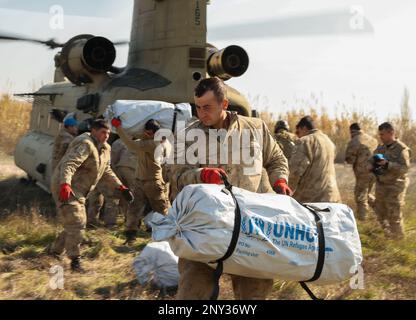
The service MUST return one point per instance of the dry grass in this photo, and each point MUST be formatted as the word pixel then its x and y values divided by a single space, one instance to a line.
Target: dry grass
pixel 337 126
pixel 28 225
pixel 14 119
pixel 26 229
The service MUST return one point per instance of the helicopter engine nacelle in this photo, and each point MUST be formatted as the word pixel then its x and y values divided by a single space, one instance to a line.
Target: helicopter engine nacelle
pixel 85 56
pixel 227 63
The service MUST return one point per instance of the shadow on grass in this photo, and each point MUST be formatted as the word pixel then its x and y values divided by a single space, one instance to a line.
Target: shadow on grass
pixel 19 195
pixel 9 245
pixel 123 249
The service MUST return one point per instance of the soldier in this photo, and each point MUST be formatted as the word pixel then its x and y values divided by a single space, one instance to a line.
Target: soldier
pixel 100 200
pixel 149 186
pixel 123 163
pixel 390 165
pixel 359 150
pixel 196 278
pixel 285 138
pixel 312 169
pixel 67 133
pixel 86 161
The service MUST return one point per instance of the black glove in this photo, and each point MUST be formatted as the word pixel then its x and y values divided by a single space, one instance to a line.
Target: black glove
pixel 127 194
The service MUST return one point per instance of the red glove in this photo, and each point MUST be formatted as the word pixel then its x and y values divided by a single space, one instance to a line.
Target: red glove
pixel 212 175
pixel 65 192
pixel 116 122
pixel 281 187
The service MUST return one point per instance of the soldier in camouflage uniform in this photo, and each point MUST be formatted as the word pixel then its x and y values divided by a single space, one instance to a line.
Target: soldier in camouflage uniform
pixel 312 170
pixel 196 278
pixel 148 186
pixel 65 136
pixel 86 161
pixel 123 163
pixel 359 150
pixel 285 138
pixel 102 204
pixel 390 164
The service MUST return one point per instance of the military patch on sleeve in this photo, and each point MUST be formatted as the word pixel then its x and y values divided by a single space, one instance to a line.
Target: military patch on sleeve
pixel 82 149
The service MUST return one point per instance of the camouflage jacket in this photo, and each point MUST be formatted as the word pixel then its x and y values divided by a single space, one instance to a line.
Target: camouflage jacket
pixel 148 166
pixel 218 152
pixel 85 163
pixel 312 169
pixel 62 141
pixel 398 155
pixel 121 156
pixel 286 141
pixel 358 151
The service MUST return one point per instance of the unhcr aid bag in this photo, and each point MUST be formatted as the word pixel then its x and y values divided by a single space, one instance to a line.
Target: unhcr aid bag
pixel 158 265
pixel 262 236
pixel 135 113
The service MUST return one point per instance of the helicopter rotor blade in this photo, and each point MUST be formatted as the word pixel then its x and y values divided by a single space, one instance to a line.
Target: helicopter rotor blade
pixel 314 24
pixel 121 43
pixel 52 44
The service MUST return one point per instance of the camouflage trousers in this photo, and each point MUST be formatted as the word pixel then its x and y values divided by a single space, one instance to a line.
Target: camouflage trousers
pixel 73 218
pixel 196 283
pixel 98 200
pixel 362 194
pixel 148 194
pixel 126 176
pixel 388 205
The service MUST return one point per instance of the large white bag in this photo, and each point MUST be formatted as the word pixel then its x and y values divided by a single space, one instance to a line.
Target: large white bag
pixel 135 113
pixel 278 236
pixel 158 265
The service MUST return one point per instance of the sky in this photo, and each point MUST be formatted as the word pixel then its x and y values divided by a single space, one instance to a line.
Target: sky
pixel 363 72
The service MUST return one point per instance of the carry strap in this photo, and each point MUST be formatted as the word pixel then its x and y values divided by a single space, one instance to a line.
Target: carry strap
pixel 175 116
pixel 236 232
pixel 321 251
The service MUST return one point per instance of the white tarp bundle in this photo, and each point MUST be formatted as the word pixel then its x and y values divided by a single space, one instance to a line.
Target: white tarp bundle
pixel 278 236
pixel 158 265
pixel 135 113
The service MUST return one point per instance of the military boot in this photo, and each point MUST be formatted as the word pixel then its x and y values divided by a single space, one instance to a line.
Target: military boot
pixel 76 265
pixel 130 236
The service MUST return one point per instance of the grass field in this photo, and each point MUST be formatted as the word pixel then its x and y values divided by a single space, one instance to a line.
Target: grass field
pixel 27 226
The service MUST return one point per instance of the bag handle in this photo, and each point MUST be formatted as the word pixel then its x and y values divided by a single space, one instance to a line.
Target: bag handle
pixel 233 243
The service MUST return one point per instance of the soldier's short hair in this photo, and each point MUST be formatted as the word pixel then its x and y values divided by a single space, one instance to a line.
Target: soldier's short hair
pixel 152 125
pixel 281 125
pixel 386 126
pixel 100 124
pixel 307 122
pixel 355 127
pixel 215 85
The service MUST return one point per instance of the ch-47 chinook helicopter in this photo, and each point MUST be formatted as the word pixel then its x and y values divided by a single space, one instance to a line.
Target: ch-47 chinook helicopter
pixel 168 55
